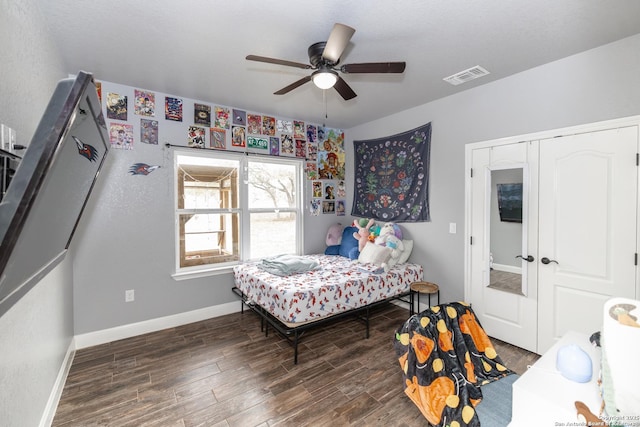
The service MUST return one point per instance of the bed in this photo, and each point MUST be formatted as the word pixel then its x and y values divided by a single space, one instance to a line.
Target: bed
pixel 337 287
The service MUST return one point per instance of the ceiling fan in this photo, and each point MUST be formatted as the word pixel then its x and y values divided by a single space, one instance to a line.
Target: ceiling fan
pixel 324 58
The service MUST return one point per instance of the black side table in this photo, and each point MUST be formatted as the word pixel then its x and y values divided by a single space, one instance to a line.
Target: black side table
pixel 418 288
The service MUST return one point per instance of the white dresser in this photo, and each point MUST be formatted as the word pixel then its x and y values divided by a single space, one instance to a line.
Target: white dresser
pixel 543 397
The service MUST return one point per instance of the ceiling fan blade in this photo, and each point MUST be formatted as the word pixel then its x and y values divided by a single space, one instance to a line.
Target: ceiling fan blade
pixel 278 61
pixel 337 42
pixel 374 67
pixel 344 89
pixel 293 85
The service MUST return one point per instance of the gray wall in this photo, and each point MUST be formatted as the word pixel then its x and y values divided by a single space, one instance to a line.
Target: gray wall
pixel 596 85
pixel 126 237
pixel 37 331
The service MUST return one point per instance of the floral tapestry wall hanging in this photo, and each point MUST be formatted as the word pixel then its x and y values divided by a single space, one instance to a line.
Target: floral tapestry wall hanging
pixel 392 177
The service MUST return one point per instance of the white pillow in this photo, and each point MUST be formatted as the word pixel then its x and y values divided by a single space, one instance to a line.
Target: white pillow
pixel 374 254
pixel 404 256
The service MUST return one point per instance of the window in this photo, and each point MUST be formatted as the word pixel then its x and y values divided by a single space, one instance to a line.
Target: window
pixel 231 208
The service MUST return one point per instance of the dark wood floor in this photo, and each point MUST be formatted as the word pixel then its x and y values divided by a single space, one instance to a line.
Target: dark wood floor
pixel 225 372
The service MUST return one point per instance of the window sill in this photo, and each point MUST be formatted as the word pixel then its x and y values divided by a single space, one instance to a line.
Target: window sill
pixel 195 274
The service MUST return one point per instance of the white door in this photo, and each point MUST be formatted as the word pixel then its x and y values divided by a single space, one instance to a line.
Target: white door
pixel 506 314
pixel 587 225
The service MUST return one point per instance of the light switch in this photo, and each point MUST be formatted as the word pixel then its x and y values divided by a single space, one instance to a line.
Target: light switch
pixel 452 227
pixel 5 137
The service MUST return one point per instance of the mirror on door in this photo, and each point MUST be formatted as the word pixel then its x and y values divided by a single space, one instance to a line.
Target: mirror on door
pixel 507 226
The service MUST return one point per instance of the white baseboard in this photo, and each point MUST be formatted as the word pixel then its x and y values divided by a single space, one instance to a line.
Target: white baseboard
pixel 401 303
pixel 54 398
pixel 127 331
pixel 507 268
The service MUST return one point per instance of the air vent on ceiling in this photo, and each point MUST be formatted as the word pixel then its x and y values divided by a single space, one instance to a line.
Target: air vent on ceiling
pixel 466 75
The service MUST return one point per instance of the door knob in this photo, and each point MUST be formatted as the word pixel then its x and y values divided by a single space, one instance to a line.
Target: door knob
pixel 529 258
pixel 546 260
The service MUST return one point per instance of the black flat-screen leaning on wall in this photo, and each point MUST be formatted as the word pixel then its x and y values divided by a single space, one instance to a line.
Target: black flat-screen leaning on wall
pixel 46 197
pixel 510 202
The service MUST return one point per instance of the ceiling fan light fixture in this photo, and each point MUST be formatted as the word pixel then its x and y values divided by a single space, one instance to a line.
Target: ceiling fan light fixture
pixel 324 58
pixel 324 79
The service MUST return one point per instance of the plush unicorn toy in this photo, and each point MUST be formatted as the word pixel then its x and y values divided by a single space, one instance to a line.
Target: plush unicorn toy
pixel 391 237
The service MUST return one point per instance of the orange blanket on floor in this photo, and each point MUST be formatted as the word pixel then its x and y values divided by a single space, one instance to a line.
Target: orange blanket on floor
pixel 445 355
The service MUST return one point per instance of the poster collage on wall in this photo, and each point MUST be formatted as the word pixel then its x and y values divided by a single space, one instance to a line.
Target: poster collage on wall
pixel 225 128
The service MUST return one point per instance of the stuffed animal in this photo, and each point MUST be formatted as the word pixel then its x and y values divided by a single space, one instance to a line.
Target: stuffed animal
pixel 375 232
pixel 363 233
pixel 334 235
pixel 388 229
pixel 397 247
pixel 391 237
pixel 348 246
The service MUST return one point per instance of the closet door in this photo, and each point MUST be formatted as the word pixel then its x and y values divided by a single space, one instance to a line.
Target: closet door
pixel 587 229
pixel 502 268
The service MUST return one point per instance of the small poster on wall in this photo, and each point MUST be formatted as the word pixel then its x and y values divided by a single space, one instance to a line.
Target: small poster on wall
pixel 222 118
pixel 145 103
pixel 328 207
pixel 284 126
pixel 274 146
pixel 268 125
pixel 121 136
pixel 312 134
pixel 311 170
pixel 238 136
pixel 314 206
pixel 301 148
pixel 312 151
pixel 254 124
pixel 331 155
pixel 149 131
pixel 316 189
pixel 218 138
pixel 239 117
pixel 329 191
pixel 116 106
pixel 173 109
pixel 202 114
pixel 298 129
pixel 196 136
pixel 286 145
pixel 342 190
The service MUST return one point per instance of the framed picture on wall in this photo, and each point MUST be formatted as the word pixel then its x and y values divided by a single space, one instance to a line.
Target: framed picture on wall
pixel 510 202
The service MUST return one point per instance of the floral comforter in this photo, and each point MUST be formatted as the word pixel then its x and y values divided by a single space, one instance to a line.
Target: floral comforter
pixel 445 355
pixel 337 285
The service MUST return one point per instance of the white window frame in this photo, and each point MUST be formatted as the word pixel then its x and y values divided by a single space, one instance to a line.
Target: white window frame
pixel 182 273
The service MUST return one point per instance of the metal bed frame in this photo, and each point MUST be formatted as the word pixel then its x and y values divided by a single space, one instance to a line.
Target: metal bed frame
pixel 293 333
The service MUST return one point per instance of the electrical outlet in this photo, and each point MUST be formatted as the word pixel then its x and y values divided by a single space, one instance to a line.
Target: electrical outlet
pixel 129 295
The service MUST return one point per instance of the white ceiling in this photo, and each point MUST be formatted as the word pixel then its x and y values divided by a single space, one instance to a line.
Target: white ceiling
pixel 196 48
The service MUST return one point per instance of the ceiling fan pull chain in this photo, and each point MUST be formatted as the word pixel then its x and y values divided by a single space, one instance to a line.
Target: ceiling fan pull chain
pixel 324 98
